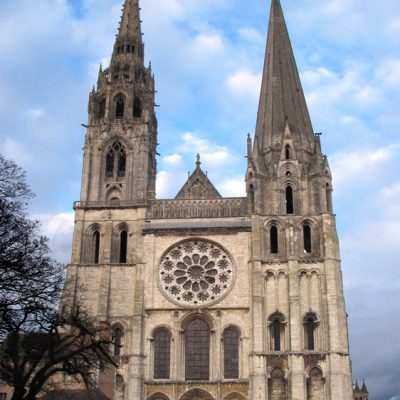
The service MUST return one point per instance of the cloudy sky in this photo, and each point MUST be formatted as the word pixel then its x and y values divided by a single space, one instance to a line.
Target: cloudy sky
pixel 207 56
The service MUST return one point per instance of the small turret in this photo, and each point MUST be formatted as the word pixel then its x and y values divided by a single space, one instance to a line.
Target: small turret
pixel 361 394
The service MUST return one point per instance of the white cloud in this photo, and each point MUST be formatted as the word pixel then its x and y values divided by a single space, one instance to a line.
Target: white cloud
pixel 251 35
pixel 173 160
pixel 245 85
pixel 234 187
pixel 18 152
pixel 168 184
pixel 391 191
pixel 207 44
pixel 35 113
pixel 389 72
pixel 58 228
pixel 364 164
pixel 213 155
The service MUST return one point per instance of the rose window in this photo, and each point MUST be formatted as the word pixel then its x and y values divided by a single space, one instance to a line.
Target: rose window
pixel 196 272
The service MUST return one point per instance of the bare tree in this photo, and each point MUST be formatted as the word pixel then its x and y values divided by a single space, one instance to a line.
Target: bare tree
pixel 36 342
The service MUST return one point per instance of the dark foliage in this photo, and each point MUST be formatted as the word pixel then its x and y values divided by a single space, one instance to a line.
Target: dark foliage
pixel 36 342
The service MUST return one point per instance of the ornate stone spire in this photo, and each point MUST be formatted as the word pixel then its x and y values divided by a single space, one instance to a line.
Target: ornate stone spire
pixel 282 101
pixel 129 37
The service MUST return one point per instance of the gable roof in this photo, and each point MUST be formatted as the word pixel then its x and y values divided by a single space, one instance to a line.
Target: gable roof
pixel 198 186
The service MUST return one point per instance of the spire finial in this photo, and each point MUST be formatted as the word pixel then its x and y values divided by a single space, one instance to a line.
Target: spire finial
pixel 198 162
pixel 129 37
pixel 281 98
pixel 364 386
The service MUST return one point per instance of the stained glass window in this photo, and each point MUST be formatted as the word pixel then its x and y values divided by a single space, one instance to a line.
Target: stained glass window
pixel 162 350
pixel 197 351
pixel 231 354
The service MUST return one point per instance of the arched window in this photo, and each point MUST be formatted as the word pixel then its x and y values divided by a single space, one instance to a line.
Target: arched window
pixel 274 242
pixel 197 350
pixel 251 198
pixel 137 107
pixel 315 385
pixel 116 161
pixel 277 385
pixel 289 200
pixel 110 163
pixel 287 152
pixel 123 246
pixel 96 247
pixel 277 332
pixel 231 353
pixel 309 332
pixel 307 238
pixel 119 106
pixel 328 198
pixel 101 108
pixel 117 334
pixel 121 163
pixel 162 354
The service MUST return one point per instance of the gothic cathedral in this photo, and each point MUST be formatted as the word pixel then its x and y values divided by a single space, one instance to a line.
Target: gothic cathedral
pixel 209 297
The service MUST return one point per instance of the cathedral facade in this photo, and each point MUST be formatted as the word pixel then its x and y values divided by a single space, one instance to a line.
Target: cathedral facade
pixel 209 297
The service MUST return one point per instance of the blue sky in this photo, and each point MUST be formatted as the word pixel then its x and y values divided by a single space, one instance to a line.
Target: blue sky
pixel 207 57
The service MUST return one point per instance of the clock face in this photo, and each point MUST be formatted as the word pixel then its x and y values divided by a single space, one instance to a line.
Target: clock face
pixel 196 273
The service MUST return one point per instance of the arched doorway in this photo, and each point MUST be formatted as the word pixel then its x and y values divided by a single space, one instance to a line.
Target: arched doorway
pixel 197 394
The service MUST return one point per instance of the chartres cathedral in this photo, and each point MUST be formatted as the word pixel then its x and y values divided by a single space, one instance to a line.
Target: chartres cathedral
pixel 209 297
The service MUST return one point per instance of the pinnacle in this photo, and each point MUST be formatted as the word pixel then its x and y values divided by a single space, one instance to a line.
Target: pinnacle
pixel 282 101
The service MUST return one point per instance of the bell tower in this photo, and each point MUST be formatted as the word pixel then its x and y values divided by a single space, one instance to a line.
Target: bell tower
pixel 120 146
pixel 289 191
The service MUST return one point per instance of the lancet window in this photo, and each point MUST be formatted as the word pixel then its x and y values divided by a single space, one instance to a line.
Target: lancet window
pixel 96 247
pixel 117 334
pixel 287 152
pixel 231 353
pixel 277 332
pixel 310 325
pixel 123 246
pixel 197 350
pixel 307 238
pixel 289 200
pixel 162 354
pixel 119 106
pixel 116 161
pixel 274 240
pixel 137 107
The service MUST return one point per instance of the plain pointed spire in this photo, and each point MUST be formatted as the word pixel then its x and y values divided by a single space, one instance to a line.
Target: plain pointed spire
pixel 130 25
pixel 282 99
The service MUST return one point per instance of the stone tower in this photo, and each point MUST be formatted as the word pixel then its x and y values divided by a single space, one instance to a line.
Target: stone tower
pixel 361 394
pixel 209 297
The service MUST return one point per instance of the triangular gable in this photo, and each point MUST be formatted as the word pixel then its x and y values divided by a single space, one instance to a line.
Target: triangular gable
pixel 198 186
